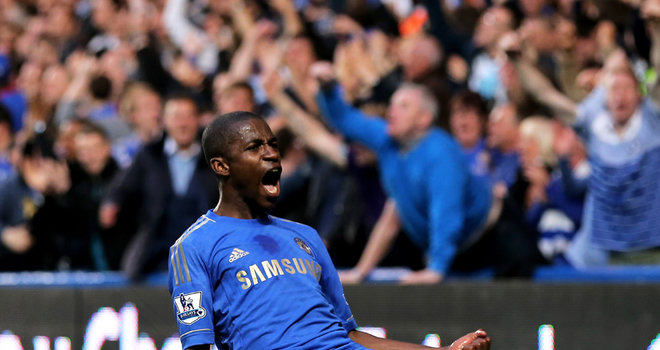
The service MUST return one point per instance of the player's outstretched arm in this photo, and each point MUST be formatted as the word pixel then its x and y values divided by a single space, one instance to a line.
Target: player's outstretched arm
pixel 478 340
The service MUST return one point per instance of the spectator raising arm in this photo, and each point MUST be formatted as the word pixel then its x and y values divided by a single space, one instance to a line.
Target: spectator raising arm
pixel 243 61
pixel 191 40
pixel 651 12
pixel 292 23
pixel 538 85
pixel 352 123
pixel 84 67
pixel 310 130
pixel 241 17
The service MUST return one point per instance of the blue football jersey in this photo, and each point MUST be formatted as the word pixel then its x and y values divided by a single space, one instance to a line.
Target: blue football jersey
pixel 257 284
pixel 621 210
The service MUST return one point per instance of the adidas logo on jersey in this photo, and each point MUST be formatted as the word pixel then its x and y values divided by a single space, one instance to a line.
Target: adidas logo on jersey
pixel 237 254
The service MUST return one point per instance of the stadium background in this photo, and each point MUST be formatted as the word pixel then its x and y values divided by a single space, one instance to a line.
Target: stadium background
pixel 102 311
pixel 613 309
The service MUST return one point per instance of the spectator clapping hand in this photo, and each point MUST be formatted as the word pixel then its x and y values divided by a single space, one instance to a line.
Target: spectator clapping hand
pixel 565 141
pixel 566 32
pixel 379 47
pixel 47 176
pixel 538 177
pixel 344 25
pixel 651 13
pixel 58 175
pixel 108 213
pixel 16 238
pixel 323 71
pixel 263 29
pixel 273 84
pixel 509 45
pixel 81 67
pixel 651 10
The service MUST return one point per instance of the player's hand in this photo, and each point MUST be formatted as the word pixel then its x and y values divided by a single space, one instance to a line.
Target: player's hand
pixel 478 340
pixel 426 276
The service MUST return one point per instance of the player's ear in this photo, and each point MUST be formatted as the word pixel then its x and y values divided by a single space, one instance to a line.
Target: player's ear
pixel 219 166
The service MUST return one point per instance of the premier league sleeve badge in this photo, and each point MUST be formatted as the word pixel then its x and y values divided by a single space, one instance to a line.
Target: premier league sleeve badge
pixel 189 308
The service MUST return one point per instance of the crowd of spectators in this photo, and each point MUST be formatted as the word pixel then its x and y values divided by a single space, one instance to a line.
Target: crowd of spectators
pixel 441 135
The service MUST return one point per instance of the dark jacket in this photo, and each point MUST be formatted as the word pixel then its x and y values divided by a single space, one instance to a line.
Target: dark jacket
pixel 21 205
pixel 147 185
pixel 77 235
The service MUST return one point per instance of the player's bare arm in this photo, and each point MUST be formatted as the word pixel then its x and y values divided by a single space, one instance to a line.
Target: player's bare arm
pixel 478 340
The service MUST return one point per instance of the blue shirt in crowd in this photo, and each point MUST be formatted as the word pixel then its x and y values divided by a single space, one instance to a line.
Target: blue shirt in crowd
pixel 182 164
pixel 622 206
pixel 477 159
pixel 491 164
pixel 16 102
pixel 6 168
pixel 257 284
pixel 439 202
pixel 503 167
pixel 125 149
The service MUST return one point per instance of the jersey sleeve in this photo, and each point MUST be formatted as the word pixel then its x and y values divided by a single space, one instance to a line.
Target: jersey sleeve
pixel 331 285
pixel 192 297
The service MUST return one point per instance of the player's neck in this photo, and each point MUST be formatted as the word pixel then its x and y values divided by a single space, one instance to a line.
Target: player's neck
pixel 239 209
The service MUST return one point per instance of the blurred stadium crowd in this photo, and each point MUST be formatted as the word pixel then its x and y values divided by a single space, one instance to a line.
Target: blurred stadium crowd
pixel 546 105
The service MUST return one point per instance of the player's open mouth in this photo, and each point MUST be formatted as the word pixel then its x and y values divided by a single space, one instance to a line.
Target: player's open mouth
pixel 271 181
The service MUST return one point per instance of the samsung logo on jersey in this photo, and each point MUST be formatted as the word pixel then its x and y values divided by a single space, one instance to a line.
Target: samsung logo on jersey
pixel 274 267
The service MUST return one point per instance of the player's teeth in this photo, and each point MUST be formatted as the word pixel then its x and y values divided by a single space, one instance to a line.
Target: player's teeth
pixel 271 189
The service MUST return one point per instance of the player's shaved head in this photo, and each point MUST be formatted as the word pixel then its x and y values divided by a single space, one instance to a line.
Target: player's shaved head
pixel 221 131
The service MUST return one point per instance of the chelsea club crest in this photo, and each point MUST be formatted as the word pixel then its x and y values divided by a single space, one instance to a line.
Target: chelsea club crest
pixel 189 308
pixel 303 246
